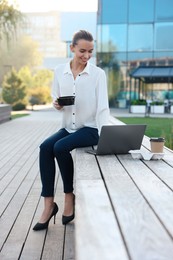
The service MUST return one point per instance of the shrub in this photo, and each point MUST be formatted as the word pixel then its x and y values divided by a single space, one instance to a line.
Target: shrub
pixel 157 103
pixel 19 106
pixel 138 102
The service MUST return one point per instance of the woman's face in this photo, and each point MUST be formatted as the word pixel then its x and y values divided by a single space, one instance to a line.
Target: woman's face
pixel 82 51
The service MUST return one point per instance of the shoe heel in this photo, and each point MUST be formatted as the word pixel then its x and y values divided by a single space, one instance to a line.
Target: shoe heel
pixel 41 226
pixel 54 219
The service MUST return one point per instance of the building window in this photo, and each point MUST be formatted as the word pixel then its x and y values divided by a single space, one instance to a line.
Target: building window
pixel 113 37
pixel 140 37
pixel 140 57
pixel 163 36
pixel 164 10
pixel 141 12
pixel 114 11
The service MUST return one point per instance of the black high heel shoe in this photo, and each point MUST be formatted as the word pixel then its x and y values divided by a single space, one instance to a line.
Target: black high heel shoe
pixel 41 226
pixel 67 219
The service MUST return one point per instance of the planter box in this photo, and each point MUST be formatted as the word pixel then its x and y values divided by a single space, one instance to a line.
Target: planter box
pixel 138 109
pixel 157 109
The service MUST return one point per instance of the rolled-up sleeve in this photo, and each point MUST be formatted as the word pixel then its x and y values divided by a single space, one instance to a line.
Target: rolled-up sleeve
pixel 55 87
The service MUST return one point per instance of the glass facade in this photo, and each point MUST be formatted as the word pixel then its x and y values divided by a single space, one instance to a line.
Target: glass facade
pixel 133 33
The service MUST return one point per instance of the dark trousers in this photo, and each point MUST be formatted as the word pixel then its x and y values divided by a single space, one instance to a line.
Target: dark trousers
pixel 59 146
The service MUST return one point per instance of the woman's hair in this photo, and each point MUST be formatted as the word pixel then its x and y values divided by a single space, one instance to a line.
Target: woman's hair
pixel 82 35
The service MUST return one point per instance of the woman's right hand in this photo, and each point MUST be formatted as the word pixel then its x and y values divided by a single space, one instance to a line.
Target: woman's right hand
pixel 56 105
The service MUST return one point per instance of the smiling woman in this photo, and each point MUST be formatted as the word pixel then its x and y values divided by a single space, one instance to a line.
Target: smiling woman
pixel 65 5
pixel 80 127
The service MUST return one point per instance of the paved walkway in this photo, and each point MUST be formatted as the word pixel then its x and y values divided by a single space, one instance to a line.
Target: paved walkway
pixel 124 112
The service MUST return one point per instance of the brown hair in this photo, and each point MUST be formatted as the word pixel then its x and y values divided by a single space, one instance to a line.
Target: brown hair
pixel 82 35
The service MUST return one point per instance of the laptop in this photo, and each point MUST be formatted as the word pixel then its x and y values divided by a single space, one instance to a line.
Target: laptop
pixel 119 139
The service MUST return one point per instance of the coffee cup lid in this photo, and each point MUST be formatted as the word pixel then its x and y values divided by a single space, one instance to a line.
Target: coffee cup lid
pixel 157 139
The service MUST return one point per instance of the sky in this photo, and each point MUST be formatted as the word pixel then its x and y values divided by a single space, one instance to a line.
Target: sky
pixel 61 5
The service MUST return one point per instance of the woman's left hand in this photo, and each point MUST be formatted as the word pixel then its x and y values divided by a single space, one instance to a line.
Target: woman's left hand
pixel 57 106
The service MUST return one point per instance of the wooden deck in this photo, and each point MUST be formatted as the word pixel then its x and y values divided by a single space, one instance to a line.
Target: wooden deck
pixel 131 220
pixel 20 203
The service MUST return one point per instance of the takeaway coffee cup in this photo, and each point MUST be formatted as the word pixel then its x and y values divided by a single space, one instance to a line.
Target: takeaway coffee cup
pixel 157 144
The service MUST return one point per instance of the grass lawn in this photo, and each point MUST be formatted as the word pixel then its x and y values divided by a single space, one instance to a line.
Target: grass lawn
pixel 14 116
pixel 156 127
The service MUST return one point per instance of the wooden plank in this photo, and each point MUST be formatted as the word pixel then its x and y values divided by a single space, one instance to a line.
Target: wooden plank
pixel 12 210
pixel 17 235
pixel 95 224
pixel 97 234
pixel 69 243
pixel 19 147
pixel 45 244
pixel 34 242
pixel 163 170
pixel 144 235
pixel 17 205
pixel 20 156
pixel 15 186
pixel 158 195
pixel 54 242
pixel 84 165
pixel 13 179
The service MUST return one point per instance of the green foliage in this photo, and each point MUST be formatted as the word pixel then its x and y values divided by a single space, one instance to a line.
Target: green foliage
pixel 13 91
pixel 23 53
pixel 10 17
pixel 19 106
pixel 109 63
pixel 43 78
pixel 40 95
pixel 23 88
pixel 138 102
pixel 26 76
pixel 157 103
pixel 34 100
pixel 14 116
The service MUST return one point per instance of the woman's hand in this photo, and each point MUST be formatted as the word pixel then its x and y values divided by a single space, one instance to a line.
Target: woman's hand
pixel 57 106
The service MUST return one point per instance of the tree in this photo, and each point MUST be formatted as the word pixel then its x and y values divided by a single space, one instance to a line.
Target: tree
pixel 26 76
pixel 13 91
pixel 10 17
pixel 40 91
pixel 43 78
pixel 23 52
pixel 110 64
pixel 23 87
pixel 40 95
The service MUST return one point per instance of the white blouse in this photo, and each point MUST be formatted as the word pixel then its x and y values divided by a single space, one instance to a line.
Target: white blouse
pixel 91 99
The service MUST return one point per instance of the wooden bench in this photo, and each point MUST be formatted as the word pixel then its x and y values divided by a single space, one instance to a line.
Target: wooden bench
pixel 124 207
pixel 5 112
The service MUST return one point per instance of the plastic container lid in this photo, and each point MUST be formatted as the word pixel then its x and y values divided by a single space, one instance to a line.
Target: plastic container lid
pixel 157 139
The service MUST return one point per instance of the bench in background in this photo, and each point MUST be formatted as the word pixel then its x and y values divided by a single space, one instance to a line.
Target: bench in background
pixel 5 112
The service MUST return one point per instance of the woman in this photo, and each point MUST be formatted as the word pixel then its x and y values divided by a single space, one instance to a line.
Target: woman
pixel 81 124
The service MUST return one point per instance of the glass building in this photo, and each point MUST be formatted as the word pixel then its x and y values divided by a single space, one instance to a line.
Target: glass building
pixel 132 34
